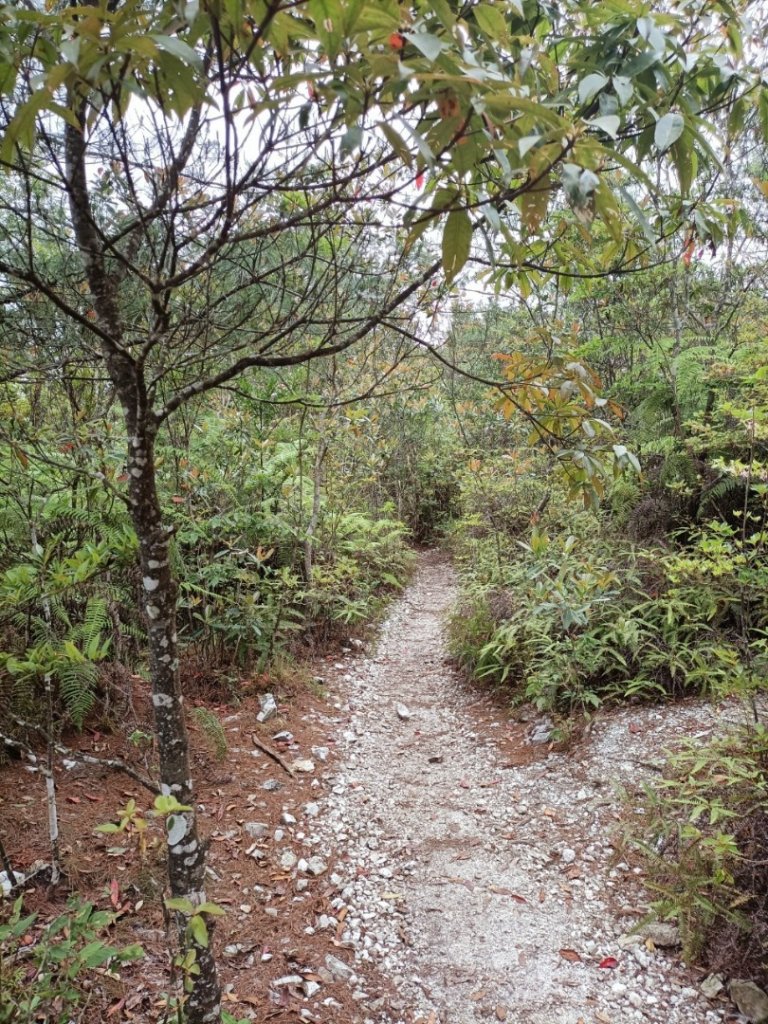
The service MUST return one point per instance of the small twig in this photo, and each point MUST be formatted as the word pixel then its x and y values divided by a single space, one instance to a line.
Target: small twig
pixel 75 755
pixel 273 754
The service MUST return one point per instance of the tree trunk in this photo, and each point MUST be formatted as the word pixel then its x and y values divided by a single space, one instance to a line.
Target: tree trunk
pixel 314 519
pixel 186 852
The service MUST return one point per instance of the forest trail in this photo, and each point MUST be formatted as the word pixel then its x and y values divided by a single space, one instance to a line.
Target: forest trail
pixel 477 866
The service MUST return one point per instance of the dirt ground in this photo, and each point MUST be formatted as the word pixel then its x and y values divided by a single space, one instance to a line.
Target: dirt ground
pixel 432 858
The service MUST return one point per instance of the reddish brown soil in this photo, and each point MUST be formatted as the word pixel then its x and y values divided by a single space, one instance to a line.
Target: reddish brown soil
pixel 230 793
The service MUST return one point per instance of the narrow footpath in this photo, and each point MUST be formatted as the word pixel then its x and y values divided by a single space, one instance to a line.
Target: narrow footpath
pixel 476 867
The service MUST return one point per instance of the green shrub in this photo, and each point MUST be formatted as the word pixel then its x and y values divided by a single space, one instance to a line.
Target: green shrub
pixel 44 981
pixel 703 838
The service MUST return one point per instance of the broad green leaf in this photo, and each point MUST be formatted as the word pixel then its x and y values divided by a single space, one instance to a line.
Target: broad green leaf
pixel 211 908
pixel 199 930
pixel 668 130
pixel 177 48
pixel 430 45
pixel 491 21
pixel 457 242
pixel 623 88
pixel 590 86
pixel 184 906
pixel 609 124
pixel 397 144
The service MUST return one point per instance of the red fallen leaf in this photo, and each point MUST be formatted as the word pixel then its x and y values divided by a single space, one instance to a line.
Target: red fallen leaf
pixel 464 784
pixel 635 728
pixel 420 179
pixel 114 893
pixel 93 799
pixel 570 955
pixel 74 800
pixel 116 1007
pixel 177 499
pixel 609 961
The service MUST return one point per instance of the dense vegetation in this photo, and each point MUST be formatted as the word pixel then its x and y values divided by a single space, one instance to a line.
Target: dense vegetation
pixel 289 287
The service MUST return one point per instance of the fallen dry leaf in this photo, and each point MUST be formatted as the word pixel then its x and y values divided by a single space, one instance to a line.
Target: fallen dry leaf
pixel 499 890
pixel 571 955
pixel 501 1012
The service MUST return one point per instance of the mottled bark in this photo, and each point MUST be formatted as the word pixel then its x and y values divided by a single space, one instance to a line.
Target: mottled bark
pixel 186 852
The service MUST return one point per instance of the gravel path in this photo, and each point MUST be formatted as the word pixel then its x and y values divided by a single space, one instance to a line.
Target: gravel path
pixel 483 889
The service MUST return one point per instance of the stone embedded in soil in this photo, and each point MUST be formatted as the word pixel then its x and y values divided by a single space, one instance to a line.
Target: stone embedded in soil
pixel 268 707
pixel 287 980
pixel 288 860
pixel 712 986
pixel 303 765
pixel 316 866
pixel 661 934
pixel 256 829
pixel 750 1000
pixel 312 810
pixel 541 732
pixel 338 968
pixel 403 712
pixel 271 785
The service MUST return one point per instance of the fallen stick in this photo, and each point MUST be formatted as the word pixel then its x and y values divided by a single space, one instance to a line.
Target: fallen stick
pixel 273 754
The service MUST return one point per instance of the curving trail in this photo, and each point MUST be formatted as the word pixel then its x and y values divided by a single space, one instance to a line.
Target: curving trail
pixel 477 867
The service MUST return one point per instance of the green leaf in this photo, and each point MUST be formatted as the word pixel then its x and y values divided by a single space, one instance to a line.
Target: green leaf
pixel 211 908
pixel 609 124
pixel 431 46
pixel 352 139
pixel 397 144
pixel 491 21
pixel 457 242
pixel 181 904
pixel 668 130
pixel 623 88
pixel 590 86
pixel 95 954
pixel 177 48
pixel 199 930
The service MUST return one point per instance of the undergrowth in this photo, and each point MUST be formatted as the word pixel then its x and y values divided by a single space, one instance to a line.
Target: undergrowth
pixel 702 833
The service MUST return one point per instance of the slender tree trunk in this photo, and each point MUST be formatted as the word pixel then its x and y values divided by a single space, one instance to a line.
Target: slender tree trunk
pixel 314 519
pixel 186 851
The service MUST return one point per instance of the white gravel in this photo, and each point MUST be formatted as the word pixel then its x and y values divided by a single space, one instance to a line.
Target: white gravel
pixel 463 878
